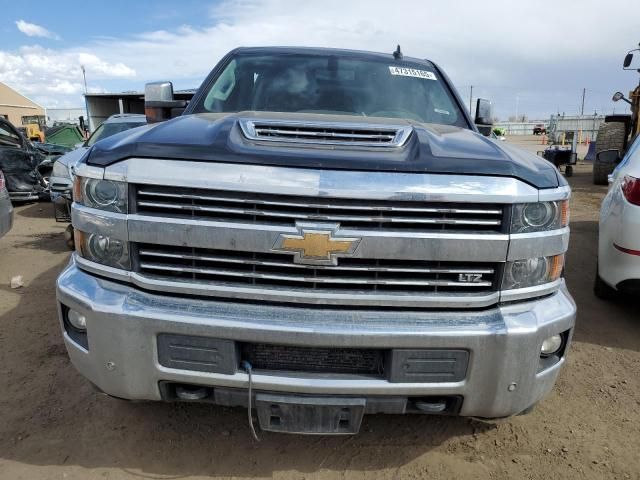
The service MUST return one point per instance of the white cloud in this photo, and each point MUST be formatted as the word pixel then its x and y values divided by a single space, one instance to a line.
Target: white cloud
pixel 33 30
pixel 509 45
pixel 512 51
pixel 55 76
pixel 97 66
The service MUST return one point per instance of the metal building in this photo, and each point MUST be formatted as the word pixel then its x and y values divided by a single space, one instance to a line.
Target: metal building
pixel 14 106
pixel 57 116
pixel 101 106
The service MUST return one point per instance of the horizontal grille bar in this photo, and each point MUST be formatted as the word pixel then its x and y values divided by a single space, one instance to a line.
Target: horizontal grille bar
pixel 244 198
pixel 250 261
pixel 302 278
pixel 286 210
pixel 267 270
pixel 305 216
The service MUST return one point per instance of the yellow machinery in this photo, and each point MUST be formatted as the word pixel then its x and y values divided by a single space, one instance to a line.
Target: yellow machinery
pixel 618 131
pixel 33 127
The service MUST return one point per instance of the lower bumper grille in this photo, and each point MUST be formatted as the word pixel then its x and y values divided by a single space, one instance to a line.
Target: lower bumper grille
pixel 304 359
pixel 215 355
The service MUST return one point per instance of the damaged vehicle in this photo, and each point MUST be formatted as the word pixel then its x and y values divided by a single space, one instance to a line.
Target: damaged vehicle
pixel 49 153
pixel 21 164
pixel 317 235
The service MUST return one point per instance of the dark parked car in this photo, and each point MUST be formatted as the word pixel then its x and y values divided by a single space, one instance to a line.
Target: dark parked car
pixel 539 129
pixel 6 209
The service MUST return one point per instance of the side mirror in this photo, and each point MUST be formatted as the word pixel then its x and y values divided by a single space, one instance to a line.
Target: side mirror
pixel 617 96
pixel 627 60
pixel 159 104
pixel 484 115
pixel 608 156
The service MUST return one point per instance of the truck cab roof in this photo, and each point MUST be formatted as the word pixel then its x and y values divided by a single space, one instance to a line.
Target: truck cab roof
pixel 340 52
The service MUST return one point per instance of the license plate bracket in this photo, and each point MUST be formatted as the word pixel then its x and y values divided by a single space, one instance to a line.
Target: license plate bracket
pixel 310 415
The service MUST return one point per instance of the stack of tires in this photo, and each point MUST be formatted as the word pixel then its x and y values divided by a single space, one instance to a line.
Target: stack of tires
pixel 611 136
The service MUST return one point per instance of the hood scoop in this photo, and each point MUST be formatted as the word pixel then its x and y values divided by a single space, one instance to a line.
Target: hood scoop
pixel 326 133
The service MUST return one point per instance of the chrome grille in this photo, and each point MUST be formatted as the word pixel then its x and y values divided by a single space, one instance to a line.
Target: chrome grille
pixel 266 270
pixel 351 134
pixel 219 205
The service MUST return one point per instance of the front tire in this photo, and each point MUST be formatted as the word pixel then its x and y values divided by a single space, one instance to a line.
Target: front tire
pixel 611 136
pixel 603 291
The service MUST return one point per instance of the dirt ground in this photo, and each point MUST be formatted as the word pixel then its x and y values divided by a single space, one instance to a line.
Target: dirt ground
pixel 54 426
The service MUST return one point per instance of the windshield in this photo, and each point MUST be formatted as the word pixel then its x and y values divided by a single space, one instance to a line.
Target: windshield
pixel 107 129
pixel 332 85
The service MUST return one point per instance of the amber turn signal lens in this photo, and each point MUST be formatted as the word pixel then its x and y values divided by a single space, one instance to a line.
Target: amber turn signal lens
pixel 77 189
pixel 564 212
pixel 555 267
pixel 78 238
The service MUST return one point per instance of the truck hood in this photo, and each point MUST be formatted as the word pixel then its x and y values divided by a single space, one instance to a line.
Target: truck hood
pixel 430 148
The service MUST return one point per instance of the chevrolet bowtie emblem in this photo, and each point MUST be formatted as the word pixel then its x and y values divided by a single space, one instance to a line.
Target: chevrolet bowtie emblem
pixel 315 244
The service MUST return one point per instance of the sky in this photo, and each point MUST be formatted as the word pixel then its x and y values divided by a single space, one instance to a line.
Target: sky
pixel 528 58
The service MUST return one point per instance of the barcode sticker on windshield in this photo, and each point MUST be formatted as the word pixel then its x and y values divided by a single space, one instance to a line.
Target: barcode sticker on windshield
pixel 412 72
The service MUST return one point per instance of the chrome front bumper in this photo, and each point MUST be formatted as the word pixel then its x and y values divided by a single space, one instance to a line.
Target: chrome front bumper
pixel 503 376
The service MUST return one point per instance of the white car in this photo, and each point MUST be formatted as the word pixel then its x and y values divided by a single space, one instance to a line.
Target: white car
pixel 619 241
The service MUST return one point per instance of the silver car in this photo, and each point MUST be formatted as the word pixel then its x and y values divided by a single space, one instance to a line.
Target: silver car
pixel 6 209
pixel 61 180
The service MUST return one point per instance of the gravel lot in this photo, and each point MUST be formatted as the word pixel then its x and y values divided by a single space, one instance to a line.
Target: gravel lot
pixel 53 425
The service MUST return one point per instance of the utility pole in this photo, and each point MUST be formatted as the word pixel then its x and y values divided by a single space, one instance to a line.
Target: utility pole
pixel 471 101
pixel 86 105
pixel 584 91
pixel 84 76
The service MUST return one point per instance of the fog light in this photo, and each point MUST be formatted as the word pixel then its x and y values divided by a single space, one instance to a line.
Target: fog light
pixel 77 320
pixel 551 345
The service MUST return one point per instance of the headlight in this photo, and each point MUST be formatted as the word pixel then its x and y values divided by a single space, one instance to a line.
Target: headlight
pixel 103 249
pixel 102 194
pixel 532 271
pixel 60 170
pixel 539 216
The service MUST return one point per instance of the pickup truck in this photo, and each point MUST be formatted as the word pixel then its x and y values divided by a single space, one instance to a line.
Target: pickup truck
pixel 317 235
